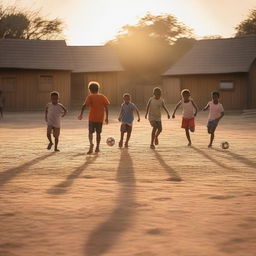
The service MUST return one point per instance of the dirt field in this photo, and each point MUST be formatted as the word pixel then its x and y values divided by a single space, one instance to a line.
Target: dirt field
pixel 175 200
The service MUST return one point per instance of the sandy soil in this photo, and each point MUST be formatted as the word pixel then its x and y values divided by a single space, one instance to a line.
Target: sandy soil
pixel 175 200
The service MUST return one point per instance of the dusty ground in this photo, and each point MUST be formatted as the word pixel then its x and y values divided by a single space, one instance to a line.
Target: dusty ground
pixel 172 201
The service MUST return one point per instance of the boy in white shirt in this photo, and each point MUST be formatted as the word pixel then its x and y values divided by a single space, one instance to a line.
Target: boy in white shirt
pixel 53 112
pixel 216 112
pixel 154 107
pixel 188 114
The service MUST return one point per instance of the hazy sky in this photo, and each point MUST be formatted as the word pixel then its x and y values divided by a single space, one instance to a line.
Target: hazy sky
pixel 93 22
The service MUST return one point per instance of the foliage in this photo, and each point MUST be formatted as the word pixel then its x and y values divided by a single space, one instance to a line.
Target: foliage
pixel 247 26
pixel 24 24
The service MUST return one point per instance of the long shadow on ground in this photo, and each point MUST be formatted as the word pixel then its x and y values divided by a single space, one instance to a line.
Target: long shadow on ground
pixel 203 153
pixel 62 187
pixel 237 157
pixel 9 174
pixel 174 176
pixel 106 235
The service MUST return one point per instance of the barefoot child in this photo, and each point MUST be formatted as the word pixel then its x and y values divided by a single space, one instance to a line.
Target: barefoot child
pixel 188 114
pixel 153 112
pixel 53 112
pixel 126 116
pixel 216 112
pixel 97 104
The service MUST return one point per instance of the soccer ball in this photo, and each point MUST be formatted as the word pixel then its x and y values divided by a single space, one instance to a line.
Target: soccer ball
pixel 224 145
pixel 110 141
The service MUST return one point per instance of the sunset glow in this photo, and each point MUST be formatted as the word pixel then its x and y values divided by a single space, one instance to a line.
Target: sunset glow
pixel 90 22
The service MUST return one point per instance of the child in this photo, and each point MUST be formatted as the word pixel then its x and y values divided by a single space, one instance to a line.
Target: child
pixel 2 101
pixel 126 117
pixel 97 103
pixel 216 112
pixel 153 112
pixel 188 114
pixel 53 112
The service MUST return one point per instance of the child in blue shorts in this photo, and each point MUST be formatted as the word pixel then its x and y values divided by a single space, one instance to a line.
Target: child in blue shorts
pixel 126 116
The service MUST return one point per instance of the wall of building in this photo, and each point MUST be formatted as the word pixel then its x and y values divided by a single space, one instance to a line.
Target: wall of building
pixel 201 87
pixel 29 90
pixel 252 86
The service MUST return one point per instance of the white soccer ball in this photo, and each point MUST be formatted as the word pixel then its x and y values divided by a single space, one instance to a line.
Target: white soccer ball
pixel 224 145
pixel 110 141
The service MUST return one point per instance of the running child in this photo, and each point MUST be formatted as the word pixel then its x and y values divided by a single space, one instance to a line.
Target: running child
pixel 97 104
pixel 53 112
pixel 126 116
pixel 153 113
pixel 189 112
pixel 2 102
pixel 216 112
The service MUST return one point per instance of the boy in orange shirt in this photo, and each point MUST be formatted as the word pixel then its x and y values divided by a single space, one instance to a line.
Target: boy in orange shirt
pixel 97 103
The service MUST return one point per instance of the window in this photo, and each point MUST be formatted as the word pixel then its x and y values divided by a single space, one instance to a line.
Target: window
pixel 8 84
pixel 45 83
pixel 227 85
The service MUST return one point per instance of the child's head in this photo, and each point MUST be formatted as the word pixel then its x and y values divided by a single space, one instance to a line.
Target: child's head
pixel 94 87
pixel 127 97
pixel 157 92
pixel 185 94
pixel 215 96
pixel 54 97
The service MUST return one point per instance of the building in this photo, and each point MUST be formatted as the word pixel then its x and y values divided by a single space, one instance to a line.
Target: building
pixel 30 69
pixel 95 63
pixel 224 65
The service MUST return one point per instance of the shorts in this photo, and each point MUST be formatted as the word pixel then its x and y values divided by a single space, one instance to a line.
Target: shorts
pixel 126 128
pixel 212 124
pixel 157 125
pixel 188 123
pixel 95 126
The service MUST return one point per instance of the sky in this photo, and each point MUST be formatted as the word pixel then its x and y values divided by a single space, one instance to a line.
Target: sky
pixel 94 22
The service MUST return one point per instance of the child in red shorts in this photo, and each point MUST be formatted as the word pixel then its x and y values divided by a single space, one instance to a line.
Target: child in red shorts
pixel 188 114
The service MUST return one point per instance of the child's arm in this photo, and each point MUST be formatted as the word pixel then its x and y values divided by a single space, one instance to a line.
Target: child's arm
pixel 80 117
pixel 221 115
pixel 46 113
pixel 137 111
pixel 65 110
pixel 206 107
pixel 106 109
pixel 176 107
pixel 148 105
pixel 195 106
pixel 120 114
pixel 166 110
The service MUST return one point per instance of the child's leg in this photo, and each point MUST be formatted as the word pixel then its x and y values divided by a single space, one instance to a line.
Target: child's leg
pixel 98 136
pixel 128 138
pixel 188 136
pixel 211 139
pixel 153 135
pixel 90 136
pixel 158 131
pixel 98 139
pixel 121 139
pixel 56 134
pixel 49 136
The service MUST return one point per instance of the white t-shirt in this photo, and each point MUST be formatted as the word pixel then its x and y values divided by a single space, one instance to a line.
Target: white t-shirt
pixel 187 109
pixel 155 108
pixel 215 110
pixel 55 111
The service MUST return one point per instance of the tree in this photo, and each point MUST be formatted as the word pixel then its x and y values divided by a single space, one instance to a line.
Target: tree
pixel 148 46
pixel 22 24
pixel 248 26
